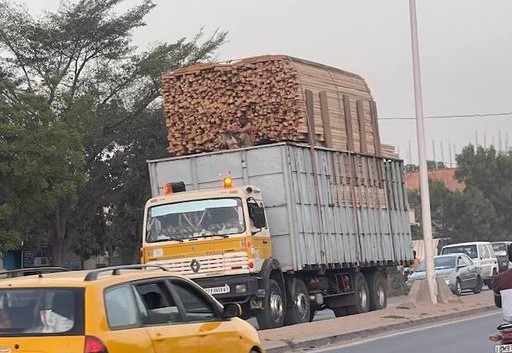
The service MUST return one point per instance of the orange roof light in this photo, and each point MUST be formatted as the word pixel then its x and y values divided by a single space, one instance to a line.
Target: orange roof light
pixel 167 189
pixel 228 182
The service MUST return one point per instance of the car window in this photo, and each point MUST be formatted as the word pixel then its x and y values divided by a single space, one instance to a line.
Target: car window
pixel 159 306
pixel 484 253
pixel 122 310
pixel 470 250
pixel 467 260
pixel 41 311
pixel 197 306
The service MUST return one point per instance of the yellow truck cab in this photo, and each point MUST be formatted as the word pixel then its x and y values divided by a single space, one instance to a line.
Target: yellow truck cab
pixel 291 231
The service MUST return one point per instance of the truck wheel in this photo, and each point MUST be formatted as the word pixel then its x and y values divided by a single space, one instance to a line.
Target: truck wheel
pixel 362 295
pixel 272 314
pixel 300 310
pixel 377 288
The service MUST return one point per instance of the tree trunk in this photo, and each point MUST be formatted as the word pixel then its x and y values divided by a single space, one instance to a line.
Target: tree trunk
pixel 57 251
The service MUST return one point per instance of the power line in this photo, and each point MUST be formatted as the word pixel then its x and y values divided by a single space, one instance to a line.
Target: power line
pixel 463 116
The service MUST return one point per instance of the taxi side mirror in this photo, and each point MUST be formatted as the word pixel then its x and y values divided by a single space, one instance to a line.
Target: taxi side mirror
pixel 231 310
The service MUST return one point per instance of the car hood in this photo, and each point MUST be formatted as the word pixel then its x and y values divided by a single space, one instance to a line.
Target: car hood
pixel 439 273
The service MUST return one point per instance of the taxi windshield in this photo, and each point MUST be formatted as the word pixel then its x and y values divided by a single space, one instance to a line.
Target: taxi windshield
pixel 195 219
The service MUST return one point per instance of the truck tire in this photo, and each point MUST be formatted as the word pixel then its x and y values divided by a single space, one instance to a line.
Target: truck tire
pixel 362 295
pixel 300 310
pixel 272 314
pixel 340 311
pixel 377 288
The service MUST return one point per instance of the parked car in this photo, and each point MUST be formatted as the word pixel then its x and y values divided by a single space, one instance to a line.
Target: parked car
pixel 458 271
pixel 482 255
pixel 135 308
pixel 500 249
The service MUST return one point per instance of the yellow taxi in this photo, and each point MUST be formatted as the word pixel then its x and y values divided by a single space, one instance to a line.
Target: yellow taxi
pixel 134 308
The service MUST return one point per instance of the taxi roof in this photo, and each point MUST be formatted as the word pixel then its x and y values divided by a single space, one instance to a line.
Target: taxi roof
pixel 99 277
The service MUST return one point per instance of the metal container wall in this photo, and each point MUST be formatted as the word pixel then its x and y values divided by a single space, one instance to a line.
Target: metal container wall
pixel 324 207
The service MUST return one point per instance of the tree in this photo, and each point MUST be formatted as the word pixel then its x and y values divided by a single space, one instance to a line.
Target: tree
pixel 469 216
pixel 489 172
pixel 438 193
pixel 91 86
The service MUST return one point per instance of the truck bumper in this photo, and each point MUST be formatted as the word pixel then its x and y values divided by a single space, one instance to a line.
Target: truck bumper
pixel 239 289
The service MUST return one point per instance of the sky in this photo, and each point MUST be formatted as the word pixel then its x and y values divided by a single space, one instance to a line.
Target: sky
pixel 465 56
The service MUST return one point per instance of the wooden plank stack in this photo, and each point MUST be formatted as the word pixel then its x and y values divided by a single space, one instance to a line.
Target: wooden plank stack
pixel 203 101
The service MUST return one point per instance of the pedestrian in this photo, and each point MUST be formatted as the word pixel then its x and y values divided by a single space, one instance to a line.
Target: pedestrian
pixel 502 287
pixel 415 262
pixel 243 131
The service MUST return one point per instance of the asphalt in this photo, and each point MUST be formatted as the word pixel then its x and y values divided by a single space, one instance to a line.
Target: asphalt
pixel 322 333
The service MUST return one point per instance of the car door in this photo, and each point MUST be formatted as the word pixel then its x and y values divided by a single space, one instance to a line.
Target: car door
pixel 463 272
pixel 215 334
pixel 472 272
pixel 126 332
pixel 486 260
pixel 162 320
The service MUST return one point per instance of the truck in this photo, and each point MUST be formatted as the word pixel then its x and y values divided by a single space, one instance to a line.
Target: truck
pixel 284 229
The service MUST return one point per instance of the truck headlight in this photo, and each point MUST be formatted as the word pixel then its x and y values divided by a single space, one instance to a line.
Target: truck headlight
pixel 241 288
pixel 447 281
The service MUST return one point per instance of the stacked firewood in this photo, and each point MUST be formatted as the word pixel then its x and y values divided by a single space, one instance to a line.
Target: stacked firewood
pixel 202 102
pixel 200 105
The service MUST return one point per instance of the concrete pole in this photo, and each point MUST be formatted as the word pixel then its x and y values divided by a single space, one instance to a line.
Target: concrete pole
pixel 422 157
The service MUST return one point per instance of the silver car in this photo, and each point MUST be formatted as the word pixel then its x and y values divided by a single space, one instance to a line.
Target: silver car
pixel 458 271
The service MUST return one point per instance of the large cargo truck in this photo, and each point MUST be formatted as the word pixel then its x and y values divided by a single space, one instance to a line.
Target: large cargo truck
pixel 284 229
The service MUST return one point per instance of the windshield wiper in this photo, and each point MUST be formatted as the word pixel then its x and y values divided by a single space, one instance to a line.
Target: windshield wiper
pixel 169 238
pixel 210 236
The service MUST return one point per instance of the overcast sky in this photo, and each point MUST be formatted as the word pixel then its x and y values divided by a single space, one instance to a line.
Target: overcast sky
pixel 465 47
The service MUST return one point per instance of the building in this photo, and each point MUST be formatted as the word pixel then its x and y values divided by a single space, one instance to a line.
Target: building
pixel 447 176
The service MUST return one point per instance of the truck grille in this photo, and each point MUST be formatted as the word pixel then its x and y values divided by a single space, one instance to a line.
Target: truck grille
pixel 213 265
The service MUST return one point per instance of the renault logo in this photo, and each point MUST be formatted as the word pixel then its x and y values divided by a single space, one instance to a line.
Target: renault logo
pixel 195 265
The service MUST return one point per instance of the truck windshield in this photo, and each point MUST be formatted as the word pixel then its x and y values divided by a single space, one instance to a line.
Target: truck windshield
pixel 195 219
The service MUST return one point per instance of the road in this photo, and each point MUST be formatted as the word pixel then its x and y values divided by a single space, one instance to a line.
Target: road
pixel 469 335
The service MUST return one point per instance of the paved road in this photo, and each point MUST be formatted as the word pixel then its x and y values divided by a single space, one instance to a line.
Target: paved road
pixel 468 336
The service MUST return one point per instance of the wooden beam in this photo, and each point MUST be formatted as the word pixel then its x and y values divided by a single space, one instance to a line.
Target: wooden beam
pixel 311 117
pixel 326 121
pixel 362 128
pixel 375 127
pixel 348 123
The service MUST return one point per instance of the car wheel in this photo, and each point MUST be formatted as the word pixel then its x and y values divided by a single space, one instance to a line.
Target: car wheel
pixel 458 288
pixel 478 287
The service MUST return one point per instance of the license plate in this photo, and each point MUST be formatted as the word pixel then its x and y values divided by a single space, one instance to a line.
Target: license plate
pixel 503 348
pixel 223 290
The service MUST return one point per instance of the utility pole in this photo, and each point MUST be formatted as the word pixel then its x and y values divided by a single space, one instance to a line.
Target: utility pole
pixel 422 157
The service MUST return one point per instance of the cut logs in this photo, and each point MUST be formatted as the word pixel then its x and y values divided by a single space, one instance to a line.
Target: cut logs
pixel 202 101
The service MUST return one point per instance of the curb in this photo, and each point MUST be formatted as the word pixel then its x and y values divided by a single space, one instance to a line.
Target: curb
pixel 342 337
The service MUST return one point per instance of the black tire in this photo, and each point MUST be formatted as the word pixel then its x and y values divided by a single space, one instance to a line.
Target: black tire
pixel 362 295
pixel 339 312
pixel 458 288
pixel 378 292
pixel 272 315
pixel 300 306
pixel 478 286
pixel 312 313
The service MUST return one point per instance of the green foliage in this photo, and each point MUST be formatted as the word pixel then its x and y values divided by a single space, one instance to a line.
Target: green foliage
pixel 79 116
pixel 469 216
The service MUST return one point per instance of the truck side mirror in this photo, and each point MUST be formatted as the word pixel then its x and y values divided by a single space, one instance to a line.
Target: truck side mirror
pixel 257 214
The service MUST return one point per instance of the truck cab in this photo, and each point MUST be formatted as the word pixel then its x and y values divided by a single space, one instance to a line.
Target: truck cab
pixel 208 235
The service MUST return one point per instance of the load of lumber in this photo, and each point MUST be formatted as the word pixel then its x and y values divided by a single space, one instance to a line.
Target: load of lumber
pixel 284 99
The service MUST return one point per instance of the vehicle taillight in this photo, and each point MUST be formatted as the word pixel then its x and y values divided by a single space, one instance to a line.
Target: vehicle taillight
pixel 142 259
pixel 94 345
